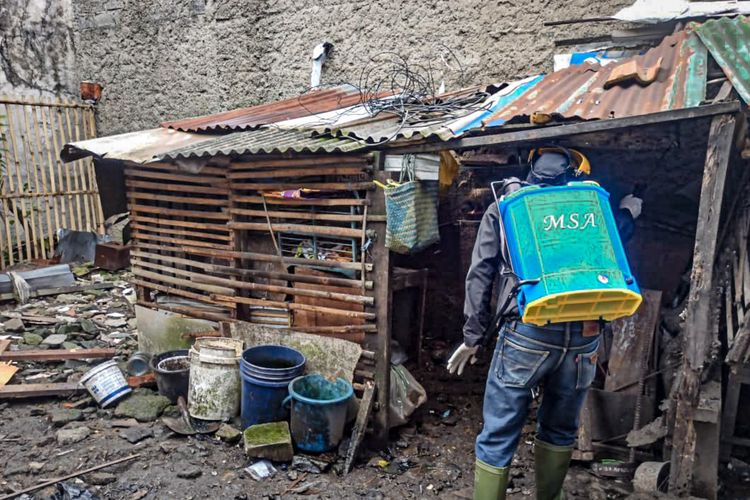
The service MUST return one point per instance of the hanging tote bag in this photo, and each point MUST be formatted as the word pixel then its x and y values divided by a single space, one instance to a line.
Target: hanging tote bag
pixel 411 212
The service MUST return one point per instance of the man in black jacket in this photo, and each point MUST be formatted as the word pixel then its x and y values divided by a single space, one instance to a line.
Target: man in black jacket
pixel 561 356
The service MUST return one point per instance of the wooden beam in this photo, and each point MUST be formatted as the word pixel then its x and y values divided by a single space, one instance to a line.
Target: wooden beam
pixel 39 390
pixel 56 354
pixel 553 131
pixel 698 330
pixel 383 296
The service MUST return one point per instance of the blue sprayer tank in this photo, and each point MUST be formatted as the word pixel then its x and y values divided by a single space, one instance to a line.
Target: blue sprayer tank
pixel 566 238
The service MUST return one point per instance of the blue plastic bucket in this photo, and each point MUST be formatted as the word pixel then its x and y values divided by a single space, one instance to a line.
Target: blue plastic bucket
pixel 318 411
pixel 266 371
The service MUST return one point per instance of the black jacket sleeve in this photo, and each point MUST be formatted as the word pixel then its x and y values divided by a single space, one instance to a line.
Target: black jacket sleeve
pixel 485 265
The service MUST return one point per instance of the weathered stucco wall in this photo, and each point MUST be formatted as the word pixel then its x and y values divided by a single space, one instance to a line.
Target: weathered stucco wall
pixel 160 59
pixel 36 48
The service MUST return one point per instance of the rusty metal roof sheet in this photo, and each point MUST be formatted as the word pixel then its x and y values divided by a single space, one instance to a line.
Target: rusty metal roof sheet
pixel 581 91
pixel 265 141
pixel 311 103
pixel 728 40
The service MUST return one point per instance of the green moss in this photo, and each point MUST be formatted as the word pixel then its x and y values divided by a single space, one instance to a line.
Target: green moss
pixel 264 434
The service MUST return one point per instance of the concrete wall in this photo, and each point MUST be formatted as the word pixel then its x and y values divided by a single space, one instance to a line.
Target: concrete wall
pixel 164 59
pixel 37 48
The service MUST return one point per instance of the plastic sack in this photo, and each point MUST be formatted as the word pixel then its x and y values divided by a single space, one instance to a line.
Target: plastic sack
pixel 406 395
pixel 411 216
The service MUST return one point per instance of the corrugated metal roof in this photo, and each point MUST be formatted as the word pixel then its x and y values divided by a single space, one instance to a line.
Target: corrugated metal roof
pixel 265 141
pixel 140 147
pixel 388 126
pixel 311 103
pixel 579 91
pixel 728 40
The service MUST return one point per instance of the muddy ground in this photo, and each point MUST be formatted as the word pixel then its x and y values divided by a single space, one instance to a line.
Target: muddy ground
pixel 45 439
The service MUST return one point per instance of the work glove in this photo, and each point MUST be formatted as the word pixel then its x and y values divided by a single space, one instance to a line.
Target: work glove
pixel 460 356
pixel 633 204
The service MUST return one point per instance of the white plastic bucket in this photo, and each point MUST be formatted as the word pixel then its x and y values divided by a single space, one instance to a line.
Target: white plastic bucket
pixel 214 387
pixel 106 383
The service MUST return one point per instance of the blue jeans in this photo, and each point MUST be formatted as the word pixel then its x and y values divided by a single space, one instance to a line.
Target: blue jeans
pixel 557 357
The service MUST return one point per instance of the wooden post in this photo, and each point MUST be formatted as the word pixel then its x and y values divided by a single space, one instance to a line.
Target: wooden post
pixel 382 293
pixel 698 331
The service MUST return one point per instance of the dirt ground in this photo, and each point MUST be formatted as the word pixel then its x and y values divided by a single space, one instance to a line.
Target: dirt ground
pixel 430 457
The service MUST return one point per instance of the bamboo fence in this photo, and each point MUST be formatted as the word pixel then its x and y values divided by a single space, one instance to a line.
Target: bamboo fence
pixel 38 193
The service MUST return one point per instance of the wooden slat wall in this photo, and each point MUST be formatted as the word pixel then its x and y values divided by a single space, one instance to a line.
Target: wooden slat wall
pixel 180 233
pixel 38 194
pixel 207 237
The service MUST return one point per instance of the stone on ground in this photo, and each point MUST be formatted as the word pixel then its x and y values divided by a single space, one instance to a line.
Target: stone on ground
pixel 143 405
pixel 14 325
pixel 272 441
pixel 135 434
pixel 32 338
pixel 189 472
pixel 228 434
pixel 61 416
pixel 54 340
pixel 71 436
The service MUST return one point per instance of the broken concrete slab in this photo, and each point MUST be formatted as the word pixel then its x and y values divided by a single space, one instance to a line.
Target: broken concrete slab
pixel 228 434
pixel 61 416
pixel 272 441
pixel 143 405
pixel 71 436
pixel 135 434
pixel 648 434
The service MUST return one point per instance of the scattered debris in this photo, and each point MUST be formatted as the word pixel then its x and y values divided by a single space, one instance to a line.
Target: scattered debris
pixel 261 470
pixel 62 416
pixel 189 472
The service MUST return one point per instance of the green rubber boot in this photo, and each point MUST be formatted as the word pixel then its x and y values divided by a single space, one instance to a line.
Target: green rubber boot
pixel 551 464
pixel 490 482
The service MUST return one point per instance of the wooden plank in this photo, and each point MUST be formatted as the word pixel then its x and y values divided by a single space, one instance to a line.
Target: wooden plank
pixel 698 332
pixel 13 391
pixel 364 328
pixel 179 232
pixel 246 273
pixel 6 373
pixel 182 293
pixel 297 228
pixel 207 171
pixel 360 426
pixel 179 188
pixel 215 202
pixel 303 319
pixel 52 103
pixel 297 172
pixel 194 312
pixel 4 344
pixel 140 235
pixel 311 162
pixel 322 186
pixel 193 179
pixel 179 223
pixel 141 273
pixel 313 202
pixel 383 297
pixel 194 214
pixel 311 216
pixel 631 337
pixel 317 292
pixel 291 306
pixel 57 354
